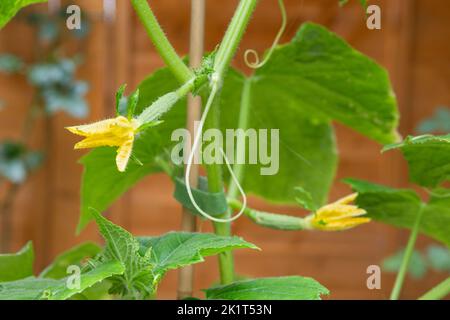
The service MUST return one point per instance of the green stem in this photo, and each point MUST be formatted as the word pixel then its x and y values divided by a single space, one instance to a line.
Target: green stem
pixel 244 112
pixel 215 184
pixel 271 220
pixel 162 44
pixel 233 35
pixel 223 58
pixel 164 103
pixel 407 256
pixel 438 292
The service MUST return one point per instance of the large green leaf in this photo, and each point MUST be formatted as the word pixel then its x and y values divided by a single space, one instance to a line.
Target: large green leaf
pixel 102 183
pixel 307 150
pixel 282 288
pixel 41 288
pixel 428 157
pixel 399 207
pixel 58 268
pixel 30 288
pixel 324 76
pixel 87 280
pixel 178 249
pixel 138 280
pixel 9 8
pixel 306 84
pixel 17 265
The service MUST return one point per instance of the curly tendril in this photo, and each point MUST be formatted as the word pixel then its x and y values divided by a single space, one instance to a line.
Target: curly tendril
pixel 257 63
pixel 215 79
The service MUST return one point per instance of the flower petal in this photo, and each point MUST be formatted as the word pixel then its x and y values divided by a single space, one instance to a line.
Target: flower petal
pixel 347 199
pixel 343 224
pixel 101 127
pixel 123 154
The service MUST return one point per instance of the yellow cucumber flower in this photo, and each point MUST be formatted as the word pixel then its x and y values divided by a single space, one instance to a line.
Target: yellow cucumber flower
pixel 116 132
pixel 337 216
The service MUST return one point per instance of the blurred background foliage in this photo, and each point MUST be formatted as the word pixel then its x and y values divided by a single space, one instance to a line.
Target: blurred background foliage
pixel 52 74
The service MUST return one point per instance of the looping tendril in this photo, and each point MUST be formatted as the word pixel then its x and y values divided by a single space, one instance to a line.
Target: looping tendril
pixel 215 79
pixel 257 63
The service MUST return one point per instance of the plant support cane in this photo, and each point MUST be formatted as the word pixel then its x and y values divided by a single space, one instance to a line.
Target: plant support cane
pixel 189 221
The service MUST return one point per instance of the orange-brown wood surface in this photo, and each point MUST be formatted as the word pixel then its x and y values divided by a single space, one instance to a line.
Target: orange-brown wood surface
pixel 412 44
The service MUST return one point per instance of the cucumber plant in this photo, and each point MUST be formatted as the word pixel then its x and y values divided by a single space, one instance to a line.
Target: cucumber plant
pixel 300 88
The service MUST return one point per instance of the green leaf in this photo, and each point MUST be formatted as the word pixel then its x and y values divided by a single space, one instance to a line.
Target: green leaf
pixel 40 288
pixel 399 207
pixel 58 268
pixel 17 265
pixel 417 267
pixel 87 280
pixel 30 288
pixel 102 183
pixel 282 288
pixel 307 149
pixel 9 8
pixel 315 79
pixel 428 157
pixel 328 79
pixel 138 280
pixel 178 249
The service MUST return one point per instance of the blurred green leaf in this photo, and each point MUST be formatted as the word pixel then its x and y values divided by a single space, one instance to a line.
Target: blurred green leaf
pixel 58 87
pixel 417 267
pixel 399 207
pixel 74 256
pixel 439 122
pixel 9 8
pixel 281 288
pixel 439 258
pixel 51 74
pixel 10 63
pixel 428 158
pixel 18 265
pixel 49 289
pixel 17 162
pixel 69 99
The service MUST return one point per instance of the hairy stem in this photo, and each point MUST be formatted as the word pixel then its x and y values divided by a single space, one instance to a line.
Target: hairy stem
pixel 407 257
pixel 162 44
pixel 223 58
pixel 438 292
pixel 215 184
pixel 233 35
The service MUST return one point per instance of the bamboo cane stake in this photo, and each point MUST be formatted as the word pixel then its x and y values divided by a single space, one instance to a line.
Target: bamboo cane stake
pixel 189 222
